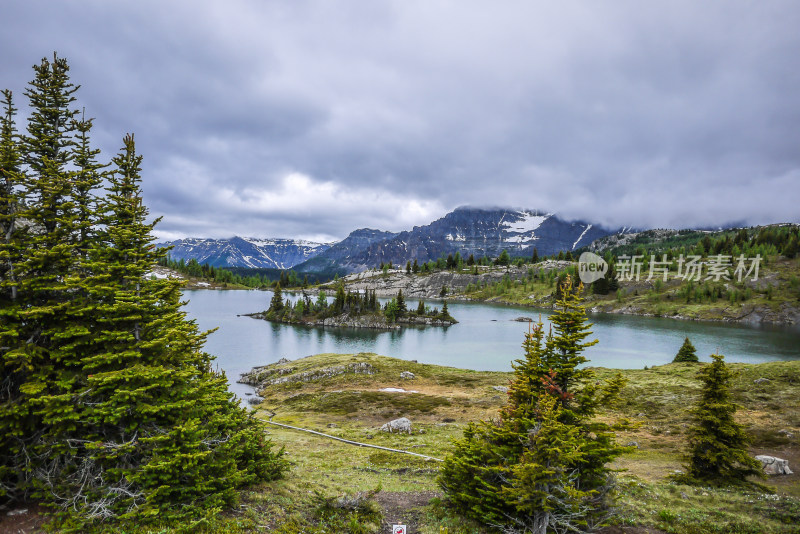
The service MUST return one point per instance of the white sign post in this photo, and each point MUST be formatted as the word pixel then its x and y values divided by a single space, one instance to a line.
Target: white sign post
pixel 398 529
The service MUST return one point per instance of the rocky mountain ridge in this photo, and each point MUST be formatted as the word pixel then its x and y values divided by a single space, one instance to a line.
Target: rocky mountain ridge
pixel 476 231
pixel 245 251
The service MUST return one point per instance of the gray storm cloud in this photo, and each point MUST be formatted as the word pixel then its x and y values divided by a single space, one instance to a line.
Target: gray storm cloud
pixel 311 119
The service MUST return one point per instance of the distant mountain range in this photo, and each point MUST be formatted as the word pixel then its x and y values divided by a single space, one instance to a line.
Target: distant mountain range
pixel 245 251
pixel 477 231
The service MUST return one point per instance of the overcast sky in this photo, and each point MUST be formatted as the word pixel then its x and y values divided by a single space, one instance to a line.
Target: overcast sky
pixel 313 118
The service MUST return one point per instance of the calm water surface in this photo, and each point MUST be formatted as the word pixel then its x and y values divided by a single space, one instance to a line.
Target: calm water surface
pixel 486 337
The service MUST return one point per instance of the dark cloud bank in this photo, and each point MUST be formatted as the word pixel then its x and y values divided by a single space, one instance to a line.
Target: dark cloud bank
pixel 310 119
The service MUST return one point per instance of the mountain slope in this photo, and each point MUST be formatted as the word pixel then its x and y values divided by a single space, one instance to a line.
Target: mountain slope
pixel 333 257
pixel 481 232
pixel 245 252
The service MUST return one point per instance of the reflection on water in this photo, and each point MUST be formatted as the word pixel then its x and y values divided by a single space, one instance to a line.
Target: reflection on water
pixel 486 337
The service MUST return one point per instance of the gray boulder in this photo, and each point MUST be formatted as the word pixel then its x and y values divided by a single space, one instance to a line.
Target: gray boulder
pixel 774 466
pixel 501 389
pixel 397 425
pixel 761 380
pixel 407 375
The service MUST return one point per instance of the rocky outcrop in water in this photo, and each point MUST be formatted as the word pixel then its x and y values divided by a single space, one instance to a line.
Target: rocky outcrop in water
pixel 373 321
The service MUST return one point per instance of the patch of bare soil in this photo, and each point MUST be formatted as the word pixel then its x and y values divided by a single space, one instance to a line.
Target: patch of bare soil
pixel 403 508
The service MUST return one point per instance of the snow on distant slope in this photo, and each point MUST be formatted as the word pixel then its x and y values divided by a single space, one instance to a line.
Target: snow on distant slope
pixel 588 227
pixel 523 229
pixel 246 251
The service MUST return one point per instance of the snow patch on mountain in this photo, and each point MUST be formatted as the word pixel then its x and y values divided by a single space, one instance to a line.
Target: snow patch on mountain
pixel 575 244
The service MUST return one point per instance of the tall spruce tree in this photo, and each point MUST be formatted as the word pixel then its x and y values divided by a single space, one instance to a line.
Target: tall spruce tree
pixel 88 176
pixel 717 443
pixel 13 370
pixel 41 323
pixel 543 464
pixel 10 177
pixel 109 407
pixel 276 304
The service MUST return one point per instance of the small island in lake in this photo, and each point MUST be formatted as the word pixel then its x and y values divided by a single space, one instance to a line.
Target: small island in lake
pixel 353 310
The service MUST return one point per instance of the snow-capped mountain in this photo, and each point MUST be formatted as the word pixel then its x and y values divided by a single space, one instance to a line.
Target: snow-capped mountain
pixel 477 231
pixel 246 251
pixel 481 232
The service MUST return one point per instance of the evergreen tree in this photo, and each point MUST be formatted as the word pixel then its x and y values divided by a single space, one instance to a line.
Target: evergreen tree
pixel 108 406
pixel 535 257
pixel 391 311
pixel 600 286
pixel 408 267
pixel 41 323
pixel 401 304
pixel 471 260
pixel 415 267
pixel 158 432
pixel 503 258
pixel 10 178
pixel 421 308
pixel 791 247
pixel 543 464
pixel 686 353
pixel 13 426
pixel 340 300
pixel 717 443
pixel 87 179
pixel 276 304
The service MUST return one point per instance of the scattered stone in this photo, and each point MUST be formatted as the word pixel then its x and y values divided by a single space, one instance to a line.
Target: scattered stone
pixel 414 361
pixel 761 380
pixel 640 415
pixel 255 399
pixel 684 496
pixel 786 433
pixel 633 444
pixel 262 376
pixel 407 375
pixel 523 320
pixel 398 425
pixel 331 425
pixel 773 465
pixel 501 389
pixel 17 512
pixel 282 360
pixel 369 436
